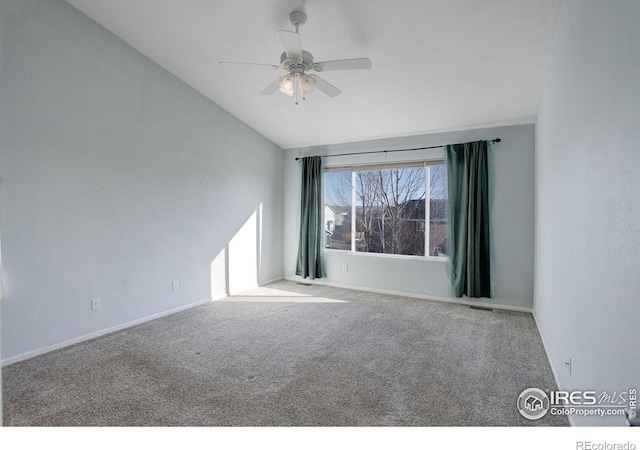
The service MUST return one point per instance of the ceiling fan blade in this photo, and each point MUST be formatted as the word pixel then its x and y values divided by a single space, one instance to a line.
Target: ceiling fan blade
pixel 292 44
pixel 262 66
pixel 342 64
pixel 271 88
pixel 326 87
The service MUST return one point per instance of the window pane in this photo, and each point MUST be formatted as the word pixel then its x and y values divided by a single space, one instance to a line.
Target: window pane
pixel 337 210
pixel 438 211
pixel 390 211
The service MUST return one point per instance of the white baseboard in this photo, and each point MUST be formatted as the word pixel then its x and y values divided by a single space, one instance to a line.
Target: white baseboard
pixel 553 368
pixel 86 337
pixel 466 302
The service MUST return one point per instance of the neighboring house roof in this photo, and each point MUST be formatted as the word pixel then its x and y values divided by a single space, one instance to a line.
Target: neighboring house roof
pixel 340 209
pixel 415 209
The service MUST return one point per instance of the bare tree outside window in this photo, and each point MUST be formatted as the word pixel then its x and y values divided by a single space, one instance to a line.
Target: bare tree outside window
pixel 366 211
pixel 399 207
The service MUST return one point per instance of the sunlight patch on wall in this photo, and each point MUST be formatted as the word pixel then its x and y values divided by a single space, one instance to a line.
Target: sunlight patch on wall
pixel 243 257
pixel 237 267
pixel 219 276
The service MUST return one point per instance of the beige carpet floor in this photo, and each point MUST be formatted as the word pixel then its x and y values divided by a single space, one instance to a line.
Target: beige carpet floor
pixel 292 355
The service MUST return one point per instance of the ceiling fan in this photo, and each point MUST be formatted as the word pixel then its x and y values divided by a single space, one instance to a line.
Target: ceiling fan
pixel 298 83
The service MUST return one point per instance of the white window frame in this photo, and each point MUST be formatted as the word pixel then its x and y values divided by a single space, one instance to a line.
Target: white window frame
pixel 353 168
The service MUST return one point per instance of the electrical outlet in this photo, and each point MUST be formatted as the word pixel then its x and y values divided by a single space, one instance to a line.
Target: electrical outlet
pixel 345 267
pixel 95 304
pixel 175 286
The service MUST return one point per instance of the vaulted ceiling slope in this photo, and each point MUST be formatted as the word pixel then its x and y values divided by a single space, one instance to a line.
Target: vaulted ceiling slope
pixel 438 65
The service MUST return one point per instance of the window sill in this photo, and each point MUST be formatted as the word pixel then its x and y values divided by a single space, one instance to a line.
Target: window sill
pixel 443 259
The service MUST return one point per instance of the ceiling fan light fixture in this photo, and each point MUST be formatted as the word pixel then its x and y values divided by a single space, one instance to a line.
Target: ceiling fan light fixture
pixel 287 83
pixel 305 84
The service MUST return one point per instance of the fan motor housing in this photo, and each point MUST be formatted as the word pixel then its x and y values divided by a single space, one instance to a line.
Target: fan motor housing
pixel 298 18
pixel 297 66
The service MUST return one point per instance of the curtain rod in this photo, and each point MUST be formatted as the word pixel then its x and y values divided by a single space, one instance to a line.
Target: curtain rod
pixel 398 150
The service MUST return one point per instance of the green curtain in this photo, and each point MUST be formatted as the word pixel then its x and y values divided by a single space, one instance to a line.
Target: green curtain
pixel 469 229
pixel 310 263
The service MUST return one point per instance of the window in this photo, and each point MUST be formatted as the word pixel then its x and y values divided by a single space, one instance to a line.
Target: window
pixel 385 209
pixel 337 210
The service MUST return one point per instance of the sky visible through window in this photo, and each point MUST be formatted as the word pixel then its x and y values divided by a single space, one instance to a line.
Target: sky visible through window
pixel 335 191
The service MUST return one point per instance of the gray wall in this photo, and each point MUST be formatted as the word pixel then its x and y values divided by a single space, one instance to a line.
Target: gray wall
pixel 116 179
pixel 587 209
pixel 513 219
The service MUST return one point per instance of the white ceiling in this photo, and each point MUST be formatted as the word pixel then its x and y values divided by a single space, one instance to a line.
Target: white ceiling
pixel 438 65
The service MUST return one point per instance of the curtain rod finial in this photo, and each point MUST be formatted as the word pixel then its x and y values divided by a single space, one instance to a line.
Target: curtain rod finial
pixel 497 140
